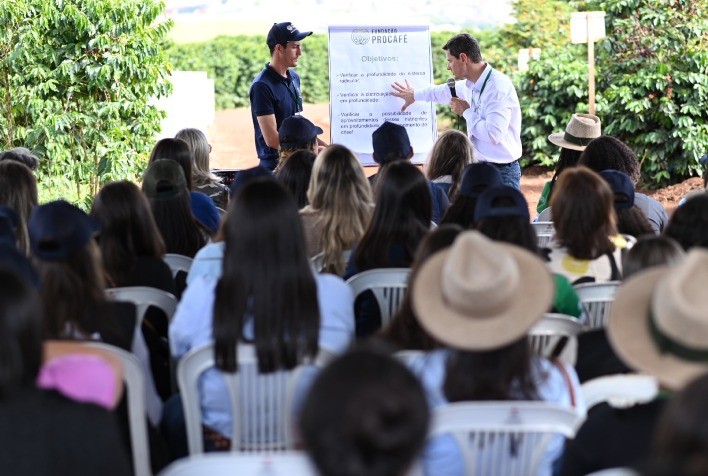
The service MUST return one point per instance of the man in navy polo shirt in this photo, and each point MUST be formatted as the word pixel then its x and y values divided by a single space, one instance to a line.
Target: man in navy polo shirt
pixel 275 92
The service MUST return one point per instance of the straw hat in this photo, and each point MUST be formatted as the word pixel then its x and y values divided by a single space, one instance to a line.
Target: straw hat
pixel 480 294
pixel 581 129
pixel 659 321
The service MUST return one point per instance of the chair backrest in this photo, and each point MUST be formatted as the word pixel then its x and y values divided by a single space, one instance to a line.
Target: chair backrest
pixel 555 336
pixel 177 263
pixel 509 437
pixel 261 404
pixel 388 285
pixel 291 463
pixel 597 299
pixel 545 215
pixel 143 297
pixel 620 390
pixel 136 394
pixel 317 261
pixel 544 232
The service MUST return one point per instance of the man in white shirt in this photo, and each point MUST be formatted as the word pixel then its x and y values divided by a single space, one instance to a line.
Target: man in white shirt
pixel 486 98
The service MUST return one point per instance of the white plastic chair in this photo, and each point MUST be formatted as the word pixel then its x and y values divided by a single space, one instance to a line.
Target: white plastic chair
pixel 544 232
pixel 597 299
pixel 317 261
pixel 620 390
pixel 143 297
pixel 547 333
pixel 136 395
pixel 614 472
pixel 388 285
pixel 177 263
pixel 261 404
pixel 224 464
pixel 504 438
pixel 545 215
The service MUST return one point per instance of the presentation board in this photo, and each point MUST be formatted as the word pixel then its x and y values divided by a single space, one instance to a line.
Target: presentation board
pixel 364 61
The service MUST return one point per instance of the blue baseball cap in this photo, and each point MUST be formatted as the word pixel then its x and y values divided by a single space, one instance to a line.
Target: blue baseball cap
pixel 283 32
pixel 59 229
pixel 391 142
pixel 8 225
pixel 297 130
pixel 501 201
pixel 246 175
pixel 621 186
pixel 18 263
pixel 476 178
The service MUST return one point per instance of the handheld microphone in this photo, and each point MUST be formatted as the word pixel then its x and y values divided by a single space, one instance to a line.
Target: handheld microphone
pixel 451 85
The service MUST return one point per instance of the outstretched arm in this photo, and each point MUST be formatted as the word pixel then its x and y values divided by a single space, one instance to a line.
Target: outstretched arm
pixel 404 92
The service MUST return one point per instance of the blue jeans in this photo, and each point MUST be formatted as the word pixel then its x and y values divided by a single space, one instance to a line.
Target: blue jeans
pixel 510 174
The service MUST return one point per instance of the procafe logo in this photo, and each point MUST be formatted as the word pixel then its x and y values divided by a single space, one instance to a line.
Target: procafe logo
pixel 360 36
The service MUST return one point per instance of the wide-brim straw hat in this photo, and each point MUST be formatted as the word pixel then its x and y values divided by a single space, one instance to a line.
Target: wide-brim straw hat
pixel 659 321
pixel 480 294
pixel 581 129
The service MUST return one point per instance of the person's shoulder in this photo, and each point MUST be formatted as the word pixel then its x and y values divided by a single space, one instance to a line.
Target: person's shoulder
pixel 330 283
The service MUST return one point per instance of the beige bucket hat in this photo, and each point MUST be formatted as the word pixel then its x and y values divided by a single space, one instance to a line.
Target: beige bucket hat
pixel 480 294
pixel 581 129
pixel 659 321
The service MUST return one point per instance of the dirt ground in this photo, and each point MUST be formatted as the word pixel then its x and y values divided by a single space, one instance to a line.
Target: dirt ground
pixel 231 137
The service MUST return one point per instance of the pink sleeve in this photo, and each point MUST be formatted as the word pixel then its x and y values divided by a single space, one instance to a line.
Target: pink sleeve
pixel 81 377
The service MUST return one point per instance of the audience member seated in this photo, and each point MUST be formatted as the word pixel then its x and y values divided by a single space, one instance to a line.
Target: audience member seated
pixel 392 144
pixel 502 214
pixel 340 206
pixel 366 414
pixel 18 191
pixel 689 223
pixel 586 246
pixel 267 295
pixel 606 152
pixel 479 298
pixel 21 155
pixel 72 287
pixel 202 207
pixel 401 219
pixel 581 129
pixel 132 249
pixel 476 178
pixel 658 326
pixel 295 174
pixel 203 180
pixel 165 187
pixel 43 432
pixel 451 153
pixel 631 220
pixel 296 133
pixel 9 221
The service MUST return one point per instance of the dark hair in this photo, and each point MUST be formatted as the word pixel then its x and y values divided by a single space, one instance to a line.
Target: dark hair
pixel 651 250
pixel 584 214
pixel 295 174
pixel 510 229
pixel 404 330
pixel 680 444
pixel 689 223
pixel 286 151
pixel 18 191
pixel 464 43
pixel 567 158
pixel 451 153
pixel 21 155
pixel 177 150
pixel 181 232
pixel 460 212
pixel 500 374
pixel 266 276
pixel 366 414
pixel 128 229
pixel 402 216
pixel 633 221
pixel 606 152
pixel 20 333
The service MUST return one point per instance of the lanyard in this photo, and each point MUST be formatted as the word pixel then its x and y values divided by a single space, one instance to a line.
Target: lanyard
pixel 294 94
pixel 478 103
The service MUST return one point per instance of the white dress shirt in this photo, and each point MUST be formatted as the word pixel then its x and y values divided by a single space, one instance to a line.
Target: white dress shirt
pixel 493 118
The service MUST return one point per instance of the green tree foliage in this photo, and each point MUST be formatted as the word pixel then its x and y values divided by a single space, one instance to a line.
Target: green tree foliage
pixel 77 83
pixel 538 24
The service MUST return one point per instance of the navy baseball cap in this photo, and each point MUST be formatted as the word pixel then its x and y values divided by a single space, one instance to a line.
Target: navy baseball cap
pixel 297 130
pixel 621 186
pixel 501 201
pixel 59 229
pixel 476 178
pixel 390 143
pixel 283 32
pixel 18 263
pixel 8 225
pixel 246 175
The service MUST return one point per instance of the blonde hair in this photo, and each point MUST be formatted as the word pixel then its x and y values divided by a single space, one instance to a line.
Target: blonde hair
pixel 199 147
pixel 451 153
pixel 340 194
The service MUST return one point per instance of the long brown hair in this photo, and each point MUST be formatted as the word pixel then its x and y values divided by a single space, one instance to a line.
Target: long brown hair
pixel 451 153
pixel 18 191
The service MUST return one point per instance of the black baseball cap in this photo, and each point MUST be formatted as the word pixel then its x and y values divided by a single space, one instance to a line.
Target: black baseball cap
pixel 283 32
pixel 297 130
pixel 621 186
pixel 501 201
pixel 391 142
pixel 59 229
pixel 246 175
pixel 478 177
